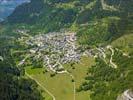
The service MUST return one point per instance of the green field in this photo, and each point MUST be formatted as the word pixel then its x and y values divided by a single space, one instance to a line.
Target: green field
pixel 124 43
pixel 79 73
pixel 61 85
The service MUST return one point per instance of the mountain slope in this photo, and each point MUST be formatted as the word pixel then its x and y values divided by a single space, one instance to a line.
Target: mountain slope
pixel 7 7
pixel 12 85
pixel 47 15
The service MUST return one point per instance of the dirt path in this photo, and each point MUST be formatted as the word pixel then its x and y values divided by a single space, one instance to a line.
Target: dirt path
pixel 74 85
pixel 40 85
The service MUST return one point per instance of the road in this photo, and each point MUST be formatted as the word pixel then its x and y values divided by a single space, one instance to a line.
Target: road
pixel 126 94
pixel 1 58
pixel 111 62
pixel 23 61
pixel 107 7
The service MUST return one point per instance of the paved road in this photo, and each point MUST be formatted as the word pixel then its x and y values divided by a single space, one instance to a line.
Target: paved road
pixel 111 62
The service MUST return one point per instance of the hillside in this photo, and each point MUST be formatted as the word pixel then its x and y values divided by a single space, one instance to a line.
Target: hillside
pixel 108 20
pixel 12 85
pixel 84 45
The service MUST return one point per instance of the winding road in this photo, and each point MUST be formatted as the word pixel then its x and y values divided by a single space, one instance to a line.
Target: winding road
pixel 111 62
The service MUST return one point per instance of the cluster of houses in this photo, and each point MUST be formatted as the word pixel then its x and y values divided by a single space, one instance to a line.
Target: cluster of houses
pixel 55 49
